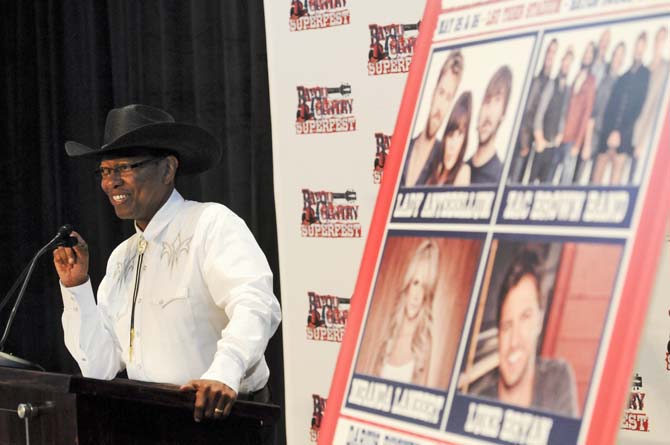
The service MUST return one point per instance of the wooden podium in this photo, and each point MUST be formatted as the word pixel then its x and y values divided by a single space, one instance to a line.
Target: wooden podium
pixel 72 409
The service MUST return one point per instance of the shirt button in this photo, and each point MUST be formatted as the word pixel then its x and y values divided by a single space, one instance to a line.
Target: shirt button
pixel 83 359
pixel 160 301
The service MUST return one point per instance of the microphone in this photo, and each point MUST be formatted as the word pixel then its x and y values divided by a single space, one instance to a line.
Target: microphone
pixel 62 238
pixel 65 229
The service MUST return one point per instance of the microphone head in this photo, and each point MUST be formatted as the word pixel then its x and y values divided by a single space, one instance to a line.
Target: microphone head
pixel 65 230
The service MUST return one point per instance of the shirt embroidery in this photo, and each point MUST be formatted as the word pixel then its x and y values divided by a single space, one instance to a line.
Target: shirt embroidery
pixel 123 268
pixel 175 250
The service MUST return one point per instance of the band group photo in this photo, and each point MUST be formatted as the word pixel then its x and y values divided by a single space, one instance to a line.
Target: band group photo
pixel 592 106
pixel 465 115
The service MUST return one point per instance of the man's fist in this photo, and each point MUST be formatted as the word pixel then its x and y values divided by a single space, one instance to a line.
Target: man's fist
pixel 72 262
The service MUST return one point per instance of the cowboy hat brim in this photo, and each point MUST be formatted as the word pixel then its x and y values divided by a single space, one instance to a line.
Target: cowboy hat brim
pixel 196 148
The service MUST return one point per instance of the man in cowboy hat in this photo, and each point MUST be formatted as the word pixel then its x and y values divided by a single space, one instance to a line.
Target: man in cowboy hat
pixel 188 298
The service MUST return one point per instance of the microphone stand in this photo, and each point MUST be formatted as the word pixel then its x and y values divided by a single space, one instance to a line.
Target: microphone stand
pixel 8 360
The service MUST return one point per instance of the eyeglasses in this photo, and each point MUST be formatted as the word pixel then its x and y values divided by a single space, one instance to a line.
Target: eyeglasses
pixel 122 169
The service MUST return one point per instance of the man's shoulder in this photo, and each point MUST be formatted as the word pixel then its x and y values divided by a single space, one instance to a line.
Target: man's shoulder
pixel 555 388
pixel 192 208
pixel 492 165
pixel 554 371
pixel 486 385
pixel 206 214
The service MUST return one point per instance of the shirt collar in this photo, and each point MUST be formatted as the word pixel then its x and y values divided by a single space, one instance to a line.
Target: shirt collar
pixel 162 217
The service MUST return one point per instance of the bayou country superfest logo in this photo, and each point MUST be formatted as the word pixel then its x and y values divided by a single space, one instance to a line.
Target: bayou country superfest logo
pixel 329 215
pixel 325 110
pixel 317 416
pixel 634 416
pixel 317 14
pixel 391 48
pixel 382 143
pixel 327 317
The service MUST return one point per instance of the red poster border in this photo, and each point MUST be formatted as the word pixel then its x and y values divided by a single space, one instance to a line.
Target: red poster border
pixel 377 225
pixel 635 295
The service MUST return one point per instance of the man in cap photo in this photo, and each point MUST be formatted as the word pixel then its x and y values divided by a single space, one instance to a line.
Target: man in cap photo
pixel 188 298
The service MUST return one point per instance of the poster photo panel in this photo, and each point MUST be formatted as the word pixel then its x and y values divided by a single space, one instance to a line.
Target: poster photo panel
pixel 469 98
pixel 414 323
pixel 535 336
pixel 590 82
pixel 540 130
pixel 461 131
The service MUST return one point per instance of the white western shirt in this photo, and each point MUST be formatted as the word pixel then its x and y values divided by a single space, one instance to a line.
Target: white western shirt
pixel 204 307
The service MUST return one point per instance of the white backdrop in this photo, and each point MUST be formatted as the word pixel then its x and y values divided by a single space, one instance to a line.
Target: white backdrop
pixel 647 422
pixel 338 162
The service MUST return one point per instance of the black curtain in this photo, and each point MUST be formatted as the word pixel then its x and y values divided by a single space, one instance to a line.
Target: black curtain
pixel 64 66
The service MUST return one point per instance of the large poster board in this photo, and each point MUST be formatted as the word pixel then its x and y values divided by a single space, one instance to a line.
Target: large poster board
pixel 515 239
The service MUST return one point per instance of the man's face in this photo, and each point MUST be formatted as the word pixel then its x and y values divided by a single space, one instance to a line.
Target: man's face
pixel 490 116
pixel 138 193
pixel 604 43
pixel 441 103
pixel 519 329
pixel 617 59
pixel 550 56
pixel 589 55
pixel 566 63
pixel 640 47
pixel 659 41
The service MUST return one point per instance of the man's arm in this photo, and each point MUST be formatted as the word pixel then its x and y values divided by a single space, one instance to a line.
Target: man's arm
pixel 240 282
pixel 88 331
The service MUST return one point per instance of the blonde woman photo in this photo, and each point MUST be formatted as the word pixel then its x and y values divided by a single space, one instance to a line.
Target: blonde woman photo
pixel 405 353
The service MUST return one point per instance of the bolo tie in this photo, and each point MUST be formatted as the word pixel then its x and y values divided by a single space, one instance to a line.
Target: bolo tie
pixel 141 248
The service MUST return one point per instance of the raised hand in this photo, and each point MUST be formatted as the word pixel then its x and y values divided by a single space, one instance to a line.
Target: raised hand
pixel 72 262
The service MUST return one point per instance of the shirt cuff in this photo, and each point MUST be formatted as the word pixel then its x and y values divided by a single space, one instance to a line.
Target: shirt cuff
pixel 226 369
pixel 78 298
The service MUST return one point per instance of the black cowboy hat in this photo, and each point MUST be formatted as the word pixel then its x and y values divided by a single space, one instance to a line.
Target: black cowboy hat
pixel 143 127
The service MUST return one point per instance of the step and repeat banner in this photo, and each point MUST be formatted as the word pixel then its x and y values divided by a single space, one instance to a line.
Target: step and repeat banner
pixel 514 245
pixel 645 416
pixel 337 70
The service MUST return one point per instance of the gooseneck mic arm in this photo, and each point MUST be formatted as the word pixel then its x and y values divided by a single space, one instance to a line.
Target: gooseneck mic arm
pixel 62 238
